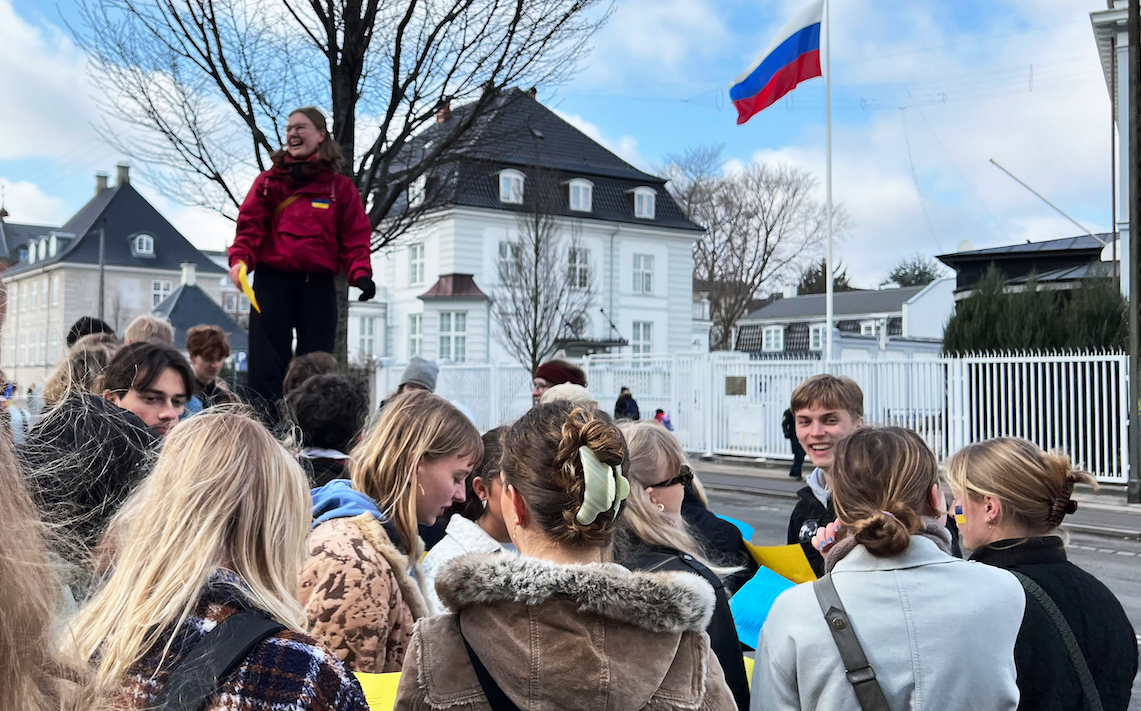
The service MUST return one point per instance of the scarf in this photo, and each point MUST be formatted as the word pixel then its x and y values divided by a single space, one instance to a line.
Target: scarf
pixel 933 528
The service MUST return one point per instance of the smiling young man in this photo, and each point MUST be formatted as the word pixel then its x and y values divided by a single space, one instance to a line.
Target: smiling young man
pixel 152 381
pixel 825 409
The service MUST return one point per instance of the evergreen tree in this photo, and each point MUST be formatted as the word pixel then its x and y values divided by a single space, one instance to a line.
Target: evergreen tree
pixel 917 270
pixel 813 280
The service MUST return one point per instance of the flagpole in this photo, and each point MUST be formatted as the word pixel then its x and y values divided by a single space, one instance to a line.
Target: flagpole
pixel 828 179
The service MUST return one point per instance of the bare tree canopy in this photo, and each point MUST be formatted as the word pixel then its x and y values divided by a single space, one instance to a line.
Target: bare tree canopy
pixel 545 283
pixel 814 279
pixel 760 222
pixel 916 270
pixel 199 91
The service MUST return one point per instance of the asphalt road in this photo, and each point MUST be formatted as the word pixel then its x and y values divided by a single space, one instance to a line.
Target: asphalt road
pixel 765 504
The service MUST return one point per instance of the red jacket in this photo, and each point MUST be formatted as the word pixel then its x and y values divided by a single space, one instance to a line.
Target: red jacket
pixel 324 230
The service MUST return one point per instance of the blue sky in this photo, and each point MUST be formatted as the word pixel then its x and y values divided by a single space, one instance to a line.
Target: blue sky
pixel 923 94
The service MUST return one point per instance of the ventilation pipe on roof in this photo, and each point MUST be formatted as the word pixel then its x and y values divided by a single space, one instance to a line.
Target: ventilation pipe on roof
pixel 100 182
pixel 189 273
pixel 533 92
pixel 122 174
pixel 445 111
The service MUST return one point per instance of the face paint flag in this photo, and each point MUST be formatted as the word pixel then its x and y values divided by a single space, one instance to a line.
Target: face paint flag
pixel 793 57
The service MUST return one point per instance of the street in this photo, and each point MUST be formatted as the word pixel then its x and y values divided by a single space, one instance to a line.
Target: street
pixel 765 504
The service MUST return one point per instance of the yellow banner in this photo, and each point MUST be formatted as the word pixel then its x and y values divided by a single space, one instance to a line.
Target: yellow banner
pixel 786 561
pixel 248 290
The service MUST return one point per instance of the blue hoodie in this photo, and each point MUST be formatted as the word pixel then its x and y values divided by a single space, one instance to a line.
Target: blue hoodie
pixel 338 499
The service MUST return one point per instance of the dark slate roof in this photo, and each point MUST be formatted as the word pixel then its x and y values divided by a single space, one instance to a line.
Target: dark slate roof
pixel 1075 273
pixel 519 132
pixel 188 306
pixel 1066 244
pixel 123 213
pixel 13 234
pixel 845 303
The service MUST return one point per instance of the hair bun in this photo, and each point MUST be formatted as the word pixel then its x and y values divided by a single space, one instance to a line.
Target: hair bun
pixel 886 533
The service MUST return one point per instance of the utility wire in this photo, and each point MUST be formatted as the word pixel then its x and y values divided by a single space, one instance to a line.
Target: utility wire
pixel 915 179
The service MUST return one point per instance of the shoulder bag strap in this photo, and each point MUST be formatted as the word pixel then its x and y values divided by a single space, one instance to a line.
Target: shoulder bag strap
pixel 1089 689
pixel 496 698
pixel 860 674
pixel 285 203
pixel 194 681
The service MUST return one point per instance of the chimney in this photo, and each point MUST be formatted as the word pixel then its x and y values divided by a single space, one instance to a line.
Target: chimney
pixel 100 182
pixel 533 92
pixel 789 291
pixel 189 273
pixel 445 111
pixel 123 174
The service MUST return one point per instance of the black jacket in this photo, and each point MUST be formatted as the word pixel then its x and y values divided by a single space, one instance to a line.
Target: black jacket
pixel 1046 678
pixel 626 408
pixel 721 540
pixel 722 629
pixel 788 425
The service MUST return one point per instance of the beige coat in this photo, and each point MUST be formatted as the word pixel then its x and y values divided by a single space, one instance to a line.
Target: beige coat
pixel 357 593
pixel 568 637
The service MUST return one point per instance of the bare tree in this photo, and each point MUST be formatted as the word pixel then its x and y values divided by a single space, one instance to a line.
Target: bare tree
pixel 760 225
pixel 545 285
pixel 199 90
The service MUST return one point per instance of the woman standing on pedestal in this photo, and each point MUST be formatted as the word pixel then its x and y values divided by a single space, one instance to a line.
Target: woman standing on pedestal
pixel 301 224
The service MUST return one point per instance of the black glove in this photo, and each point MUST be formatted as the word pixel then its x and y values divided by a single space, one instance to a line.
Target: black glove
pixel 367 287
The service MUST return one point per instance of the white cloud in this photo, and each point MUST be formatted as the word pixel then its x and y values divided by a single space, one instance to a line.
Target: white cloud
pixel 28 204
pixel 625 147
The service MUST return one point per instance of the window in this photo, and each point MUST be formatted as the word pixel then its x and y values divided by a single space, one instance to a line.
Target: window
pixel 578 268
pixel 23 297
pixel 644 199
pixel 15 293
pixel 510 258
pixel 43 347
pixel 366 336
pixel 773 340
pixel 511 187
pixel 416 264
pixel 453 336
pixel 160 289
pixel 643 274
pixel 55 290
pixel 581 195
pixel 816 338
pixel 144 244
pixel 34 298
pixel 44 293
pixel 868 328
pixel 243 304
pixel 642 339
pixel 43 249
pixel 415 334
pixel 53 348
pixel 416 191
pixel 230 304
pixel 53 246
pixel 23 342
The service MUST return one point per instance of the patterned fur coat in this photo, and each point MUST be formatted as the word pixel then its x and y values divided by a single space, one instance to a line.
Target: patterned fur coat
pixel 286 671
pixel 358 594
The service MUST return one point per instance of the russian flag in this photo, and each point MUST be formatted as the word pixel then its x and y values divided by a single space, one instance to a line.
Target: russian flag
pixel 793 57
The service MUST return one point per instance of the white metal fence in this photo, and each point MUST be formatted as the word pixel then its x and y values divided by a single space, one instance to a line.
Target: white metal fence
pixel 724 404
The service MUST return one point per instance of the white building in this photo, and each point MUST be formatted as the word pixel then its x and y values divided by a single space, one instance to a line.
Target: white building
pixel 1113 49
pixel 634 247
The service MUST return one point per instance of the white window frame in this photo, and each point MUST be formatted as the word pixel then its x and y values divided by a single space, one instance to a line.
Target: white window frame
pixel 511 186
pixel 144 244
pixel 14 298
pixel 416 191
pixel 243 304
pixel 816 338
pixel 578 268
pixel 415 334
pixel 230 302
pixel 581 195
pixel 160 289
pixel 43 249
pixel 44 293
pixel 453 336
pixel 23 297
pixel 23 341
pixel 867 328
pixel 772 339
pixel 53 347
pixel 642 337
pixel 366 336
pixel 55 290
pixel 645 203
pixel 643 274
pixel 43 347
pixel 53 246
pixel 416 264
pixel 508 258
pixel 35 295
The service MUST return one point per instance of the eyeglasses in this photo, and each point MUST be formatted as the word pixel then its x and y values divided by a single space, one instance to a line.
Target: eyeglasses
pixel 684 477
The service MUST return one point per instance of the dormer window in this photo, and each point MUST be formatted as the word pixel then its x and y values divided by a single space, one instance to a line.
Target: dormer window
pixel 581 195
pixel 143 245
pixel 416 191
pixel 43 249
pixel 644 199
pixel 511 187
pixel 53 246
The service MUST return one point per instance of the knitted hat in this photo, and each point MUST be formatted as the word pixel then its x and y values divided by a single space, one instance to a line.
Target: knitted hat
pixel 554 373
pixel 421 372
pixel 568 392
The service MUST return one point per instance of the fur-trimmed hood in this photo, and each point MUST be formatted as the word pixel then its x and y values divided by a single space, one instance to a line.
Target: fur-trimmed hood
pixel 572 637
pixel 656 602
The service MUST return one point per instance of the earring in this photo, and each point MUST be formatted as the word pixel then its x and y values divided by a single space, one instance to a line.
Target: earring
pixel 662 508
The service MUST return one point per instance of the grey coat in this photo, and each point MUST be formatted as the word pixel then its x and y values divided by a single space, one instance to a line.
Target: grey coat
pixel 938 631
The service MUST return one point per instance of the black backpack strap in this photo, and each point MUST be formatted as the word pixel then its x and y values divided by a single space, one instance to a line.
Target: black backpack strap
pixel 860 674
pixel 1089 689
pixel 498 700
pixel 197 678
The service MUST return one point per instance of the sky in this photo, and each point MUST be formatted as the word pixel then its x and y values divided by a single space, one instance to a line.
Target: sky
pixel 923 95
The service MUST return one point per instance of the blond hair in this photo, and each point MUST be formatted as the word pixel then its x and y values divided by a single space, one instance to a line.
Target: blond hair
pixel 415 426
pixel 80 371
pixel 825 390
pixel 149 328
pixel 881 483
pixel 224 493
pixel 1034 486
pixel 654 449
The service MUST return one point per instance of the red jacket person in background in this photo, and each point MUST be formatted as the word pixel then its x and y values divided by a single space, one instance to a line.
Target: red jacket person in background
pixel 301 224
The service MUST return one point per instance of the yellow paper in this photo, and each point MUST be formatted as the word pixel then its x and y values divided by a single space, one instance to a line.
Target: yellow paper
pixel 749 670
pixel 244 279
pixel 786 561
pixel 379 690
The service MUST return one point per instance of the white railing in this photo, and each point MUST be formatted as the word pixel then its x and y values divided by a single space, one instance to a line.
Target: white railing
pixel 723 403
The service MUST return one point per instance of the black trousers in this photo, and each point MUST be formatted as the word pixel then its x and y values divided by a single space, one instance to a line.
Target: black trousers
pixel 797 458
pixel 289 301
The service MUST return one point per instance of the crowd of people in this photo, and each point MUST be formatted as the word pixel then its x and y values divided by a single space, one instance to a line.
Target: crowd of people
pixel 168 546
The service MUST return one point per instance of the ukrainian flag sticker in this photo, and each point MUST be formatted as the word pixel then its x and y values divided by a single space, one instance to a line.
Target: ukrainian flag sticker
pixel 321 204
